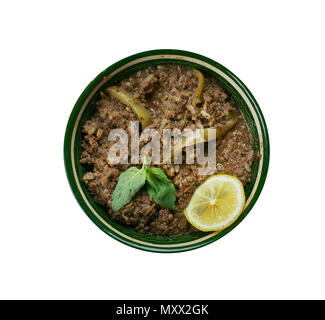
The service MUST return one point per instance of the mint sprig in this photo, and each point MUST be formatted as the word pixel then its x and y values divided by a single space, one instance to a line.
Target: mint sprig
pixel 159 187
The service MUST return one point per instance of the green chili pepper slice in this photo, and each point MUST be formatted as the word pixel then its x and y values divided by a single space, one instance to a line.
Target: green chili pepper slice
pixel 137 106
pixel 199 88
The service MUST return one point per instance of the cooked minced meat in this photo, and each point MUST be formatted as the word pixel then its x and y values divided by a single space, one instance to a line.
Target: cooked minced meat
pixel 166 91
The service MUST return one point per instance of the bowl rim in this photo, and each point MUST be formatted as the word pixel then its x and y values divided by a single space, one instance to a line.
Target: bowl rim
pixel 91 87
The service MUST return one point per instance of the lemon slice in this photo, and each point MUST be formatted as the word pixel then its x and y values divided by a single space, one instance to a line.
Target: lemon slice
pixel 216 203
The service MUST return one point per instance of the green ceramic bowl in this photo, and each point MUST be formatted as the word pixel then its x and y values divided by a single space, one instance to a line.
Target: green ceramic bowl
pixel 85 108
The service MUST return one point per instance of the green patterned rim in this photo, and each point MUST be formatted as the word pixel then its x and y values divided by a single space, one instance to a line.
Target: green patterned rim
pixel 85 108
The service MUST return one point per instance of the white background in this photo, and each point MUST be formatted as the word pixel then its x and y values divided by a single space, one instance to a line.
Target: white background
pixel 51 50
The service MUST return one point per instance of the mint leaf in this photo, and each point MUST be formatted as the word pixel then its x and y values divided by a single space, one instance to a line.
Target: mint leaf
pixel 160 188
pixel 129 183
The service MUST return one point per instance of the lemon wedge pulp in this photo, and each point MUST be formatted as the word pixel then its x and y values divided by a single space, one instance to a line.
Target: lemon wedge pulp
pixel 216 203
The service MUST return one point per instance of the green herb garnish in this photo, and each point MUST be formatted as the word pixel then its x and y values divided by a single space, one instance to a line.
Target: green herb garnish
pixel 159 187
pixel 129 183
